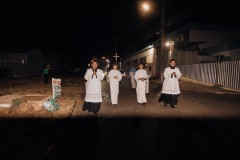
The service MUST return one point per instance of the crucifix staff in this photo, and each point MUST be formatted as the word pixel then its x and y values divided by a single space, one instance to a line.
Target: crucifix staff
pixel 116 57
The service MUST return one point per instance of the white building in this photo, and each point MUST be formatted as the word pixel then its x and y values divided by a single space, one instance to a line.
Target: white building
pixel 189 45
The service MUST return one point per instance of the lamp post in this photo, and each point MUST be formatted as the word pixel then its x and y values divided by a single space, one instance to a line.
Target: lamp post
pixel 163 58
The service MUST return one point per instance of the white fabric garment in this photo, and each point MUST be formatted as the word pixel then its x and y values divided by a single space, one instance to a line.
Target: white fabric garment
pixel 147 84
pixel 141 85
pixel 93 86
pixel 114 84
pixel 170 83
pixel 133 82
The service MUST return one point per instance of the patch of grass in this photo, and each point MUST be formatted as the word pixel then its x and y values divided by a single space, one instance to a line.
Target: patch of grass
pixel 17 102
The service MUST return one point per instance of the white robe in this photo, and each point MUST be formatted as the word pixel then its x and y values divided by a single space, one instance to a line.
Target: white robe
pixel 171 84
pixel 93 86
pixel 141 85
pixel 133 82
pixel 114 85
pixel 147 84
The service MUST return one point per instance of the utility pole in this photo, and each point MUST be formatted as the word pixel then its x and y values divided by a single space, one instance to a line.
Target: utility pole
pixel 162 31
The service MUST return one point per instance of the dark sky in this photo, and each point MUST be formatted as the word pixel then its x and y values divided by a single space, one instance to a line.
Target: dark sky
pixel 82 29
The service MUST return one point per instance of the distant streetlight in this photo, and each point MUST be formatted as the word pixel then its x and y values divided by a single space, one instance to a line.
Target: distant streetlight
pixel 170 44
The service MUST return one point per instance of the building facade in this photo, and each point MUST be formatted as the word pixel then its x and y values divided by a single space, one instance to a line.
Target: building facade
pixel 26 63
pixel 193 43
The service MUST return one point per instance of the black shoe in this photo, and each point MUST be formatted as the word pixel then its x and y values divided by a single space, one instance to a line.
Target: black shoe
pixel 144 104
pixel 172 106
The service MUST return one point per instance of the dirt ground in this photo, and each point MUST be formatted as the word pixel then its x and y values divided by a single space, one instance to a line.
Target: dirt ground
pixel 72 89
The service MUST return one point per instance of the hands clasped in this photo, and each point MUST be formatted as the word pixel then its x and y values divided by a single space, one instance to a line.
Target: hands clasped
pixel 142 79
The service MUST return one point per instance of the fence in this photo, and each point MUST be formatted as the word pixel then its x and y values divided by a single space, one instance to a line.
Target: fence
pixel 225 74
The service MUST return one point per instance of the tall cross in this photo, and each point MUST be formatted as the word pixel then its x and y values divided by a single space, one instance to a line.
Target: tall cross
pixel 116 57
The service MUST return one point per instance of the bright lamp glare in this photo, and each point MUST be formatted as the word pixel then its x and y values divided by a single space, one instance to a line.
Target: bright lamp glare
pixel 146 7
pixel 168 44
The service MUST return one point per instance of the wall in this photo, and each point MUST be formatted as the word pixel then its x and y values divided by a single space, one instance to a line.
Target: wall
pixel 150 55
pixel 33 67
pixel 225 74
pixel 213 38
pixel 232 55
pixel 186 57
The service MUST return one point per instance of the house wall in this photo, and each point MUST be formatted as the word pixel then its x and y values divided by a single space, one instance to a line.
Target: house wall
pixel 213 38
pixel 33 64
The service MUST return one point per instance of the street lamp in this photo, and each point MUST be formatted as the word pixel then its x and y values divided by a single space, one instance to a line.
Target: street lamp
pixel 146 7
pixel 170 44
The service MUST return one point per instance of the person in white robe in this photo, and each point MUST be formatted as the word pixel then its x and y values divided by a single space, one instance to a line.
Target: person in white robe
pixel 93 97
pixel 170 88
pixel 114 77
pixel 147 83
pixel 132 73
pixel 141 78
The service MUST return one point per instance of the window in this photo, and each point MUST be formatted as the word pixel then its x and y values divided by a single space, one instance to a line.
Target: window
pixel 7 63
pixel 135 63
pixel 142 60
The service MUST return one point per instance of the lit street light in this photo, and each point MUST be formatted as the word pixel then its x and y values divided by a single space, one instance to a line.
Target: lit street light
pixel 146 7
pixel 170 44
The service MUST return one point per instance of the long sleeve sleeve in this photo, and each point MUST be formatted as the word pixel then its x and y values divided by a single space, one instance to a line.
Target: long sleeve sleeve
pixel 179 74
pixel 148 76
pixel 119 76
pixel 87 75
pixel 166 74
pixel 145 74
pixel 100 75
pixel 136 76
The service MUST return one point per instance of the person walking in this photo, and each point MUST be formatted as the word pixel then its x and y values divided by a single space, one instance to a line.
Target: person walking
pixel 170 88
pixel 93 97
pixel 114 77
pixel 141 79
pixel 132 73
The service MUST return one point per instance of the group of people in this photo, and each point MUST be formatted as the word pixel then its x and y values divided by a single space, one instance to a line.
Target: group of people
pixel 94 76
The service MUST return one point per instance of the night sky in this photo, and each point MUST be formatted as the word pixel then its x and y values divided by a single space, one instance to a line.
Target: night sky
pixel 83 29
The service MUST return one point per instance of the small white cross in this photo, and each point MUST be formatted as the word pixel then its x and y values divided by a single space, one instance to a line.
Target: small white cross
pixel 116 56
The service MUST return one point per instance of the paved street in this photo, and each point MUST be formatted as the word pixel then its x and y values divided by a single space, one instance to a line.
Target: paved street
pixel 205 124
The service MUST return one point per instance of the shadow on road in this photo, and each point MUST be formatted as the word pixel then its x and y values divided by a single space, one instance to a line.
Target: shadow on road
pixel 120 138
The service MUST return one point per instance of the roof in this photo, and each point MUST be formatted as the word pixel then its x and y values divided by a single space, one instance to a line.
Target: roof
pixel 204 27
pixel 223 47
pixel 17 49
